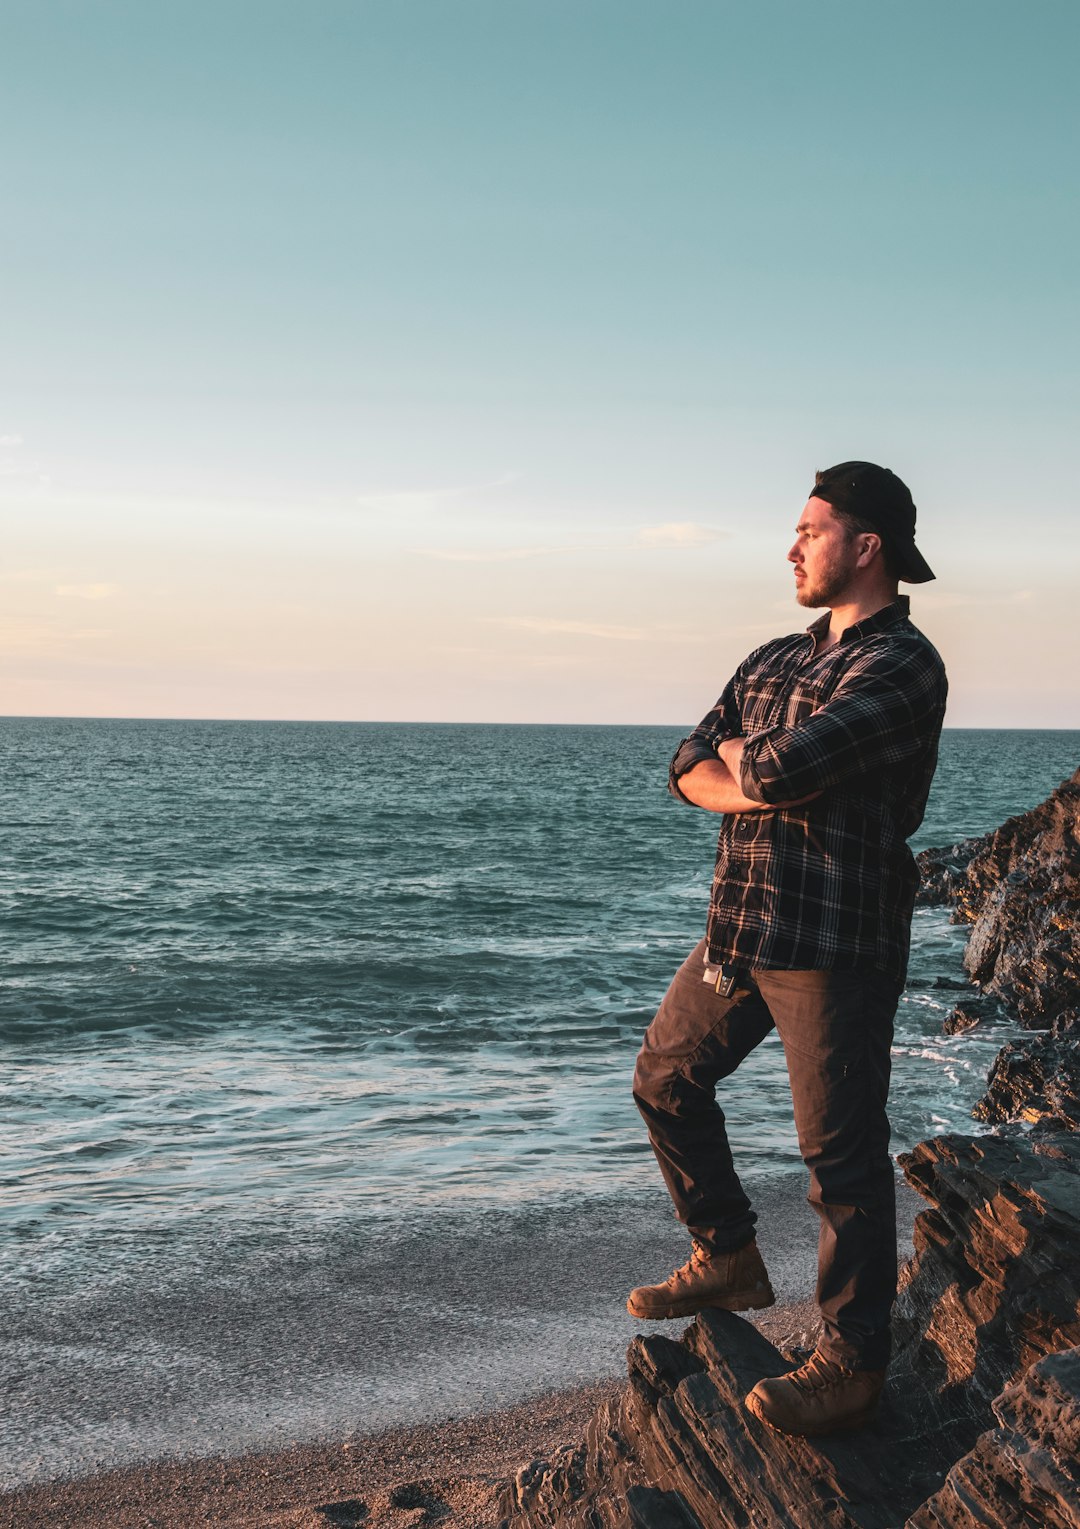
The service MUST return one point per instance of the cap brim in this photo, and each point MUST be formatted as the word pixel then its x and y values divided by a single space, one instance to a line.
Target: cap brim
pixel 914 569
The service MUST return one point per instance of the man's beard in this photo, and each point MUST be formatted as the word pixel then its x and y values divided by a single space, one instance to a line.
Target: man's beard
pixel 829 584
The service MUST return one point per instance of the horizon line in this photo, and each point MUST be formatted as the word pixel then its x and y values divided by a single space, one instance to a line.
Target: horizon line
pixel 971 727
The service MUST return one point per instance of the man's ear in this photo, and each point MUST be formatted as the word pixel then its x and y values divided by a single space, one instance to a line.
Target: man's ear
pixel 869 549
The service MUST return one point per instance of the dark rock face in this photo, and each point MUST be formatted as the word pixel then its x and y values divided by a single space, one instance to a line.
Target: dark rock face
pixel 1019 888
pixel 995 1281
pixel 970 1012
pixel 682 1450
pixel 1026 1470
pixel 994 1289
pixel 1068 1019
pixel 1035 1079
pixel 942 873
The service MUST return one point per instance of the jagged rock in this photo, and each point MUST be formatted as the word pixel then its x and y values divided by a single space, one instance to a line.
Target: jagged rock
pixel 994 1287
pixel 682 1430
pixel 1035 1079
pixel 970 1012
pixel 995 1281
pixel 1019 888
pixel 941 877
pixel 1025 1471
pixel 960 1021
pixel 1068 1019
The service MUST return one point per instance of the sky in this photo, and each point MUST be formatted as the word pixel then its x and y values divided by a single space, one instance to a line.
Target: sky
pixel 471 360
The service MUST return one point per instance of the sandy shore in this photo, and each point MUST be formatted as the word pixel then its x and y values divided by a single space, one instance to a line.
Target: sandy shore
pixel 226 1349
pixel 450 1473
pixel 280 1401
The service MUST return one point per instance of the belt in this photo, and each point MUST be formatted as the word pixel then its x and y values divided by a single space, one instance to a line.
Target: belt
pixel 725 977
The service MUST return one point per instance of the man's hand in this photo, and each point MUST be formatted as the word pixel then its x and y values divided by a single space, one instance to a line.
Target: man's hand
pixel 714 784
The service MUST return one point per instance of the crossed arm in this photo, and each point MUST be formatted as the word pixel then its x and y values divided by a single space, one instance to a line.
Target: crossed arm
pixel 714 784
pixel 886 711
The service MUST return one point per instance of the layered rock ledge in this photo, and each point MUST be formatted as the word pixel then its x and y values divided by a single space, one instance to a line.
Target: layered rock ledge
pixel 984 1384
pixel 1036 1079
pixel 1019 889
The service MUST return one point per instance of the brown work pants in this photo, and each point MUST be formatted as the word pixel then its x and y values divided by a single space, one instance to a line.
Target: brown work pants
pixel 836 1028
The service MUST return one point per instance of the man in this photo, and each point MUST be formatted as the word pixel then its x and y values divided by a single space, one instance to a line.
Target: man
pixel 819 754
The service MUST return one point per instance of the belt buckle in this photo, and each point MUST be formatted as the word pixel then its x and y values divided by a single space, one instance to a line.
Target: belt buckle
pixel 724 978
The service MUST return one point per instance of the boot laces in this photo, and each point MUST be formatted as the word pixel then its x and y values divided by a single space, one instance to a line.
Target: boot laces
pixel 817 1374
pixel 691 1268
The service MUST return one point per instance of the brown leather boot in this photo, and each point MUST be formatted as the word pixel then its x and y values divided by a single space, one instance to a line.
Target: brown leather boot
pixel 819 1397
pixel 733 1281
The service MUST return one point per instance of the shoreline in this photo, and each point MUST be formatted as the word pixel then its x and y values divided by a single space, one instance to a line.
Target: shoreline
pixel 228 1355
pixel 451 1471
pixel 455 1469
pixel 402 1374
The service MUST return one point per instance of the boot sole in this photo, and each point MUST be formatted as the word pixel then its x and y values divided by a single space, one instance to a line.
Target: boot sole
pixel 742 1300
pixel 858 1420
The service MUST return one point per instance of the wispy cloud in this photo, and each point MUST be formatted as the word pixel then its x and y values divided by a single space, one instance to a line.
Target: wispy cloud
pixel 940 600
pixel 420 501
pixel 30 575
pixel 679 533
pixel 18 473
pixel 86 591
pixel 491 554
pixel 570 628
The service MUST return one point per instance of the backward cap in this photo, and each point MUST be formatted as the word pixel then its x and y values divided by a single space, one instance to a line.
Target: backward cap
pixel 876 495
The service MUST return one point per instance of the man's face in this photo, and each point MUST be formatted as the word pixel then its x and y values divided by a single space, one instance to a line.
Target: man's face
pixel 825 556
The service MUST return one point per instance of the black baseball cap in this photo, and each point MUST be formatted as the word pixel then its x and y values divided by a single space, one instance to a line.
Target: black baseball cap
pixel 883 500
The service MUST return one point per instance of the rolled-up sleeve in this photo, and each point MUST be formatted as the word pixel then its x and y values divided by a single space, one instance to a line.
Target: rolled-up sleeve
pixel 720 723
pixel 880 715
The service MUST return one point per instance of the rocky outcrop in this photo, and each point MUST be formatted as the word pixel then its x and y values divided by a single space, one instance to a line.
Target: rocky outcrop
pixel 973 1011
pixel 993 1289
pixel 1035 1079
pixel 1027 1469
pixel 1019 889
pixel 995 1281
pixel 681 1450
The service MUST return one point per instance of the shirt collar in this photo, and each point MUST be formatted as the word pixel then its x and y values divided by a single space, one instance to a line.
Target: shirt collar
pixel 880 621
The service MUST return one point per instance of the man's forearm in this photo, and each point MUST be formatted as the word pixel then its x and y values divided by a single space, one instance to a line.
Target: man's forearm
pixel 714 784
pixel 731 751
pixel 710 784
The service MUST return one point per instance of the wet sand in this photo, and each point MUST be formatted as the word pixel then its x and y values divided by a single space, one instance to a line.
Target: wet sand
pixel 412 1377
pixel 451 1473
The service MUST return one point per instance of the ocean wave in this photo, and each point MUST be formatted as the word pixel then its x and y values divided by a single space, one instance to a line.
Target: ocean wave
pixel 267 971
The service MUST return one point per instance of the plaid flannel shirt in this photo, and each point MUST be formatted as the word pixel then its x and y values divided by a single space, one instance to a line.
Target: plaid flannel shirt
pixel 829 884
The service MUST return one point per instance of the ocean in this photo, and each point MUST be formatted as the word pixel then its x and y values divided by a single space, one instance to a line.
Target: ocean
pixel 275 993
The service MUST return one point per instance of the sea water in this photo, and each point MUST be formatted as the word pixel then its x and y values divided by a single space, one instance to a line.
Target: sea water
pixel 264 982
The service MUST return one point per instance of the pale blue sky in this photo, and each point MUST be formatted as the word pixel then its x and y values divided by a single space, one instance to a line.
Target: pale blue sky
pixel 472 360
